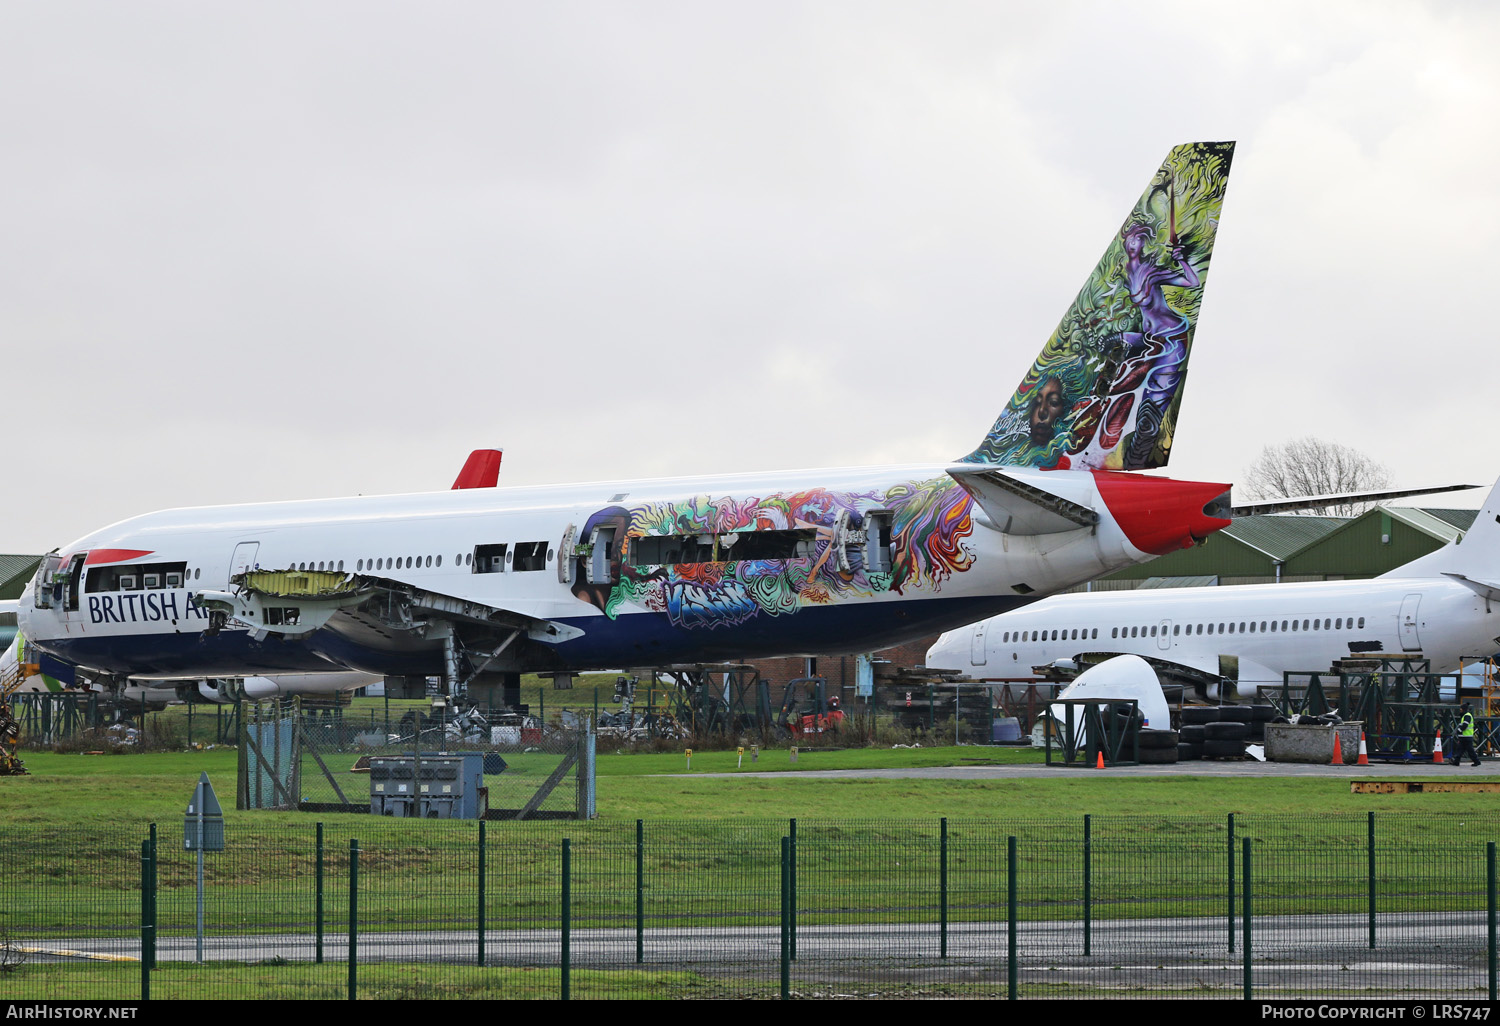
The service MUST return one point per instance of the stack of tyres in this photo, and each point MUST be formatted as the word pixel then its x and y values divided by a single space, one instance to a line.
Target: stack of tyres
pixel 1195 718
pixel 1190 742
pixel 1260 715
pixel 1226 738
pixel 1222 731
pixel 1157 746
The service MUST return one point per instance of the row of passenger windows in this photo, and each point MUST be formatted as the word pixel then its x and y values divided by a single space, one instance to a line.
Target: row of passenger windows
pixel 1340 623
pixel 490 559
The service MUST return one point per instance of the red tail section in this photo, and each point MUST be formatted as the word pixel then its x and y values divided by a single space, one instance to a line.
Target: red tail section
pixel 481 469
pixel 1160 515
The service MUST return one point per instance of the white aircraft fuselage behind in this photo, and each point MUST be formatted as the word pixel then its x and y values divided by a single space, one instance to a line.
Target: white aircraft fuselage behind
pixel 1268 628
pixel 1444 606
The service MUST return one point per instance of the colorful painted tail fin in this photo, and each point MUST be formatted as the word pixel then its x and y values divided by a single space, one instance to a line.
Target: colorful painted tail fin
pixel 1105 391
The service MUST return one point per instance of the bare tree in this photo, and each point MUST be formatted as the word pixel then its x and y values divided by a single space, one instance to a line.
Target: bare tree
pixel 1311 466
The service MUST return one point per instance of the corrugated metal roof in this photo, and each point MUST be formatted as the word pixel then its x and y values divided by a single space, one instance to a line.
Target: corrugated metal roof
pixel 1423 521
pixel 17 566
pixel 1191 581
pixel 1278 536
pixel 15 571
pixel 1463 519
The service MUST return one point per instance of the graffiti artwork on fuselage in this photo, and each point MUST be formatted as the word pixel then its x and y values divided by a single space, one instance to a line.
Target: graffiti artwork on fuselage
pixel 1105 391
pixel 714 561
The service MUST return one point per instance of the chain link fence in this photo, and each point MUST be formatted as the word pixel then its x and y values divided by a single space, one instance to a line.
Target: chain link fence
pixel 1337 907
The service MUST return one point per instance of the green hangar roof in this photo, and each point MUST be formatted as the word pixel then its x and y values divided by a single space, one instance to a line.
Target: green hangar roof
pixel 1261 549
pixel 15 571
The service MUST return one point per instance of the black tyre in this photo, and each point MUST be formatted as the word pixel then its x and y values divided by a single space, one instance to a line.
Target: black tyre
pixel 1186 752
pixel 1262 713
pixel 1198 714
pixel 1226 731
pixel 1194 733
pixel 1157 739
pixel 1234 714
pixel 1157 756
pixel 1223 749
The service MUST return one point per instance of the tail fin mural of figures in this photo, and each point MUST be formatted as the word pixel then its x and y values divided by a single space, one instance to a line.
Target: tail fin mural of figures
pixel 1104 393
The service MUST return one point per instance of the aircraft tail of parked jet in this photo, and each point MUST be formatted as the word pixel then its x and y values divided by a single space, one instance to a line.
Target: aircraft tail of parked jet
pixel 1104 393
pixel 1473 560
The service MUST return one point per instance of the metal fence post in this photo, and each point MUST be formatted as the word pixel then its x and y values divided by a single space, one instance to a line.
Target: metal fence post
pixel 1370 872
pixel 353 985
pixel 318 896
pixel 481 892
pixel 1229 889
pixel 153 880
pixel 1012 977
pixel 640 890
pixel 1489 859
pixel 786 933
pixel 791 909
pixel 1088 883
pixel 1247 905
pixel 147 926
pixel 943 888
pixel 567 915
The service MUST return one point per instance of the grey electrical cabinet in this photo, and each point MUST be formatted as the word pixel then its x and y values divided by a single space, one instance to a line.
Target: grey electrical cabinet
pixel 439 785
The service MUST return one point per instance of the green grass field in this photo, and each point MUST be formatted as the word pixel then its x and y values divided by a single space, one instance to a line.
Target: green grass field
pixel 869 852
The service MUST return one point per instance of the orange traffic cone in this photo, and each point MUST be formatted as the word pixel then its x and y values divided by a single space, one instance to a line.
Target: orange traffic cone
pixel 1437 748
pixel 1099 762
pixel 1338 751
pixel 1364 755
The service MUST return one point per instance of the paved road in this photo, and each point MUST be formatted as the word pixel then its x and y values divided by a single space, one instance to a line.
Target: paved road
pixel 1307 954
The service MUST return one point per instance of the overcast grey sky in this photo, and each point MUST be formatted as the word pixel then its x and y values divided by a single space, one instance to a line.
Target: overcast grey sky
pixel 286 250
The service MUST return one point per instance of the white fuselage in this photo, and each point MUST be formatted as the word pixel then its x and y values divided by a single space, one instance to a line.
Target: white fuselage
pixel 1268 629
pixel 830 591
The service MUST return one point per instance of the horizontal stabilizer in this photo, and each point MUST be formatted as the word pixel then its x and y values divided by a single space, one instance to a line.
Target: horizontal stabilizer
pixel 1485 589
pixel 1016 507
pixel 1253 509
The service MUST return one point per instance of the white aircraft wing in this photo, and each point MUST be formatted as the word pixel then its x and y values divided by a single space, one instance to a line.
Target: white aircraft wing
pixel 1250 509
pixel 296 603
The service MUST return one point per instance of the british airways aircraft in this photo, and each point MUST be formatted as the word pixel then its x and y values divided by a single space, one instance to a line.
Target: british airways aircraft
pixel 1228 641
pixel 650 572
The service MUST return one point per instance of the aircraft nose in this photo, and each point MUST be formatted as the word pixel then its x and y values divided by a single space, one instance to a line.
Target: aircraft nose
pixel 1160 515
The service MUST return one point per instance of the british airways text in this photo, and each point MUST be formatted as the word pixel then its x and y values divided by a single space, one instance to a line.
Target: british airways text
pixel 143 607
